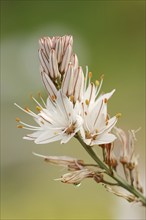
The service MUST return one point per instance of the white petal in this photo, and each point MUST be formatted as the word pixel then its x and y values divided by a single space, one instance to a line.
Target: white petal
pixel 47 137
pixel 111 123
pixel 104 139
pixel 66 138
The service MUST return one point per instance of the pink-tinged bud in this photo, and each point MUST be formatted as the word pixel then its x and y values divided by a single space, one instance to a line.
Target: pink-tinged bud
pixel 66 59
pixel 49 85
pixel 73 82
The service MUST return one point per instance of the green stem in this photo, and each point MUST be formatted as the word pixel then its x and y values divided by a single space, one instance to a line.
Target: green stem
pixel 121 182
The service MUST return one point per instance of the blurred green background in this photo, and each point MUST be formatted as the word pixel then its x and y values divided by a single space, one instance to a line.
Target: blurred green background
pixel 109 37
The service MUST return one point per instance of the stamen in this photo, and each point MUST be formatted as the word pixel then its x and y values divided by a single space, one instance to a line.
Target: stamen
pixel 37 102
pixel 102 77
pixel 86 77
pixel 18 119
pixel 106 120
pixel 90 75
pixel 39 108
pixel 56 133
pixel 87 102
pixel 53 98
pixel 105 100
pixel 20 126
pixel 118 115
pixel 96 130
pixel 72 98
pixel 39 94
pixel 99 87
pixel 29 126
pixel 97 83
pixel 27 109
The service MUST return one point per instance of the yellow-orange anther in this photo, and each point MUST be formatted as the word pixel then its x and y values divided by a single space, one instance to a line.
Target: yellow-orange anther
pixel 38 108
pixel 87 102
pixel 97 83
pixel 90 75
pixel 105 100
pixel 72 98
pixel 27 109
pixel 17 119
pixel 19 126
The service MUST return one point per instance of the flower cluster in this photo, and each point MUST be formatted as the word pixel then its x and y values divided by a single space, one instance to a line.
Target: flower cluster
pixel 73 103
pixel 76 108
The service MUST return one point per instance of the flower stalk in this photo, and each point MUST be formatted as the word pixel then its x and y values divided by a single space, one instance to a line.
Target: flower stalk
pixel 119 180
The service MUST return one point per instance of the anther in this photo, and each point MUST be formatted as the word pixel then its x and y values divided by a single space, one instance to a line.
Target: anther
pixel 90 75
pixel 96 82
pixel 105 100
pixel 72 98
pixel 18 119
pixel 27 109
pixel 118 115
pixel 39 108
pixel 53 97
pixel 19 126
pixel 87 102
pixel 102 76
pixel 96 130
pixel 55 133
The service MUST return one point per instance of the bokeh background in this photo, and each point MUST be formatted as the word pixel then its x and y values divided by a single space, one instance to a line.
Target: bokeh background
pixel 109 37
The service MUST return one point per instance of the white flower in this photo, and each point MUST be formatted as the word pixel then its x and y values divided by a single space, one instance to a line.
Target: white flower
pixel 97 125
pixel 58 120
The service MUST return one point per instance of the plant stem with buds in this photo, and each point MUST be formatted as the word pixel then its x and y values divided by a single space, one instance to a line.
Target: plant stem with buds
pixel 120 181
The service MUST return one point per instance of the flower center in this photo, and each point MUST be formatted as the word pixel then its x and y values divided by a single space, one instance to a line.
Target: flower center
pixel 90 136
pixel 70 129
